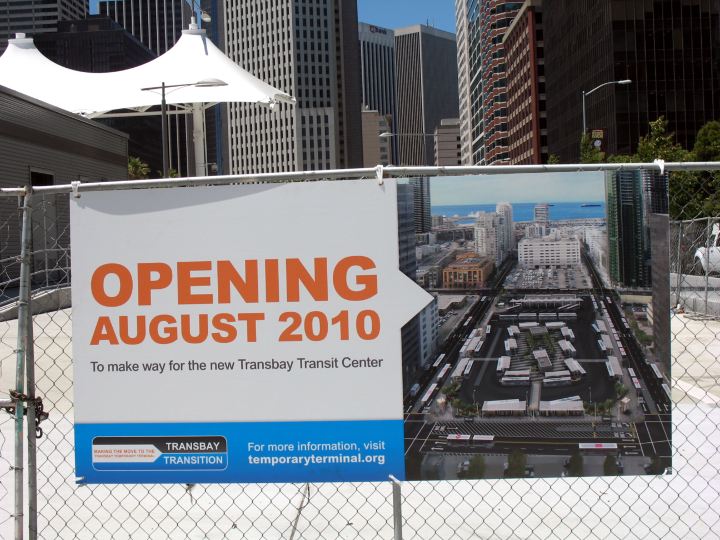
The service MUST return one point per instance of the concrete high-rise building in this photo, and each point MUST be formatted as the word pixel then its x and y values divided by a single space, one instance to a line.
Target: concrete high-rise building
pixel 35 17
pixel 489 236
pixel 660 308
pixel 377 69
pixel 427 91
pixel 548 251
pixel 505 210
pixel 465 25
pixel 447 142
pixel 483 79
pixel 525 67
pixel 311 51
pixel 541 213
pixel 376 149
pixel 666 48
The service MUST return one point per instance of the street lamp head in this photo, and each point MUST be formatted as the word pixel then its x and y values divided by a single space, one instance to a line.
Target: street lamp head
pixel 205 16
pixel 207 83
pixel 624 81
pixel 385 135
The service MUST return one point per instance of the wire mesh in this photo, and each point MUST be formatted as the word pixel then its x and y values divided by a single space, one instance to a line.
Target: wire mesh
pixel 10 221
pixel 682 503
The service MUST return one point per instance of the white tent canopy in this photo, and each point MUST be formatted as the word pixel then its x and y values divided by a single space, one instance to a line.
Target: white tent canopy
pixel 193 58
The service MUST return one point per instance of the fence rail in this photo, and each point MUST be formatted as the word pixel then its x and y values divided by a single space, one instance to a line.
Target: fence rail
pixel 40 499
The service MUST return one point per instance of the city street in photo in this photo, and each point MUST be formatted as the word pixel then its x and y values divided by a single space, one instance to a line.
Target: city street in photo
pixel 538 357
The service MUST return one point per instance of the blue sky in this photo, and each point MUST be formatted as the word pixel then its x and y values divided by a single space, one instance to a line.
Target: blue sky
pixel 400 13
pixel 396 13
pixel 518 188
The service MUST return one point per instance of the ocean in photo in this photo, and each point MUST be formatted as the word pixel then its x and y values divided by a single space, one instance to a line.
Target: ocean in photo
pixel 524 211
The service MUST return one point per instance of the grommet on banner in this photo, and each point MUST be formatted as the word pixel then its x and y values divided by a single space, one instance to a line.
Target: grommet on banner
pixel 74 185
pixel 379 174
pixel 660 163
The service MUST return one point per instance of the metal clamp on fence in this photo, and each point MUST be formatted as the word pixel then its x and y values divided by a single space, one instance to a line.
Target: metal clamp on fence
pixel 40 414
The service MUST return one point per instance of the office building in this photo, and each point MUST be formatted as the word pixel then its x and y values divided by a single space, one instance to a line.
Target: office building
pixel 427 91
pixel 468 271
pixel 482 77
pixel 98 44
pixel 493 234
pixel 311 51
pixel 377 70
pixel 447 143
pixel 548 251
pixel 377 150
pixel 33 18
pixel 525 67
pixel 666 48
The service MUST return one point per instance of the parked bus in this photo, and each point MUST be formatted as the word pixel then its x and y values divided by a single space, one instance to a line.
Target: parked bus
pixel 599 446
pixel 439 360
pixel 443 372
pixel 637 386
pixel 656 372
pixel 428 394
pixel 666 391
pixel 631 371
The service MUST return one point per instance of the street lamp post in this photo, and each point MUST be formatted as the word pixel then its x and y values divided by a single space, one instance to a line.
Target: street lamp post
pixel 388 135
pixel 205 83
pixel 585 94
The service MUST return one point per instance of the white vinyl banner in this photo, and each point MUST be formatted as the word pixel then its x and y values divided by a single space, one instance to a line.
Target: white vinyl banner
pixel 240 333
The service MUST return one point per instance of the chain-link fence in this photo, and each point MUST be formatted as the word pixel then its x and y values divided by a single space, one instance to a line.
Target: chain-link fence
pixel 677 502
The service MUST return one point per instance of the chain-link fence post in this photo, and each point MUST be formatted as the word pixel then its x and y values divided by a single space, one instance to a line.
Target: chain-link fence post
pixel 397 507
pixel 23 344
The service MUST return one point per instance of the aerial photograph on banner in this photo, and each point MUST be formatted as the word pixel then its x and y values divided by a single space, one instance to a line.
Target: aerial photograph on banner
pixel 545 352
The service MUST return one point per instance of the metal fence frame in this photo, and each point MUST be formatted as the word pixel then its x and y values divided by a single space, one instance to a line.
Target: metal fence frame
pixel 23 400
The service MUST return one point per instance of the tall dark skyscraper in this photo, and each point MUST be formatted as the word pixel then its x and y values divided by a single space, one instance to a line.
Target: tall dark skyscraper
pixel 668 48
pixel 377 63
pixel 482 74
pixel 632 197
pixel 98 44
pixel 310 50
pixel 156 24
pixel 32 17
pixel 410 333
pixel 427 91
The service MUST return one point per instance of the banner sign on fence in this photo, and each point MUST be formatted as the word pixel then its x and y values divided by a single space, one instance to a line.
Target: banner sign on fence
pixel 281 333
pixel 239 334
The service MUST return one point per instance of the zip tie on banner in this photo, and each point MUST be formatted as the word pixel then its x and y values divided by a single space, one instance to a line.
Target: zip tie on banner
pixel 660 163
pixel 379 175
pixel 74 185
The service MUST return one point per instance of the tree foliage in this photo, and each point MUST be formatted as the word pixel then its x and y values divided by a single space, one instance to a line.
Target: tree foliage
pixel 517 461
pixel 575 465
pixel 610 467
pixel 137 169
pixel 588 152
